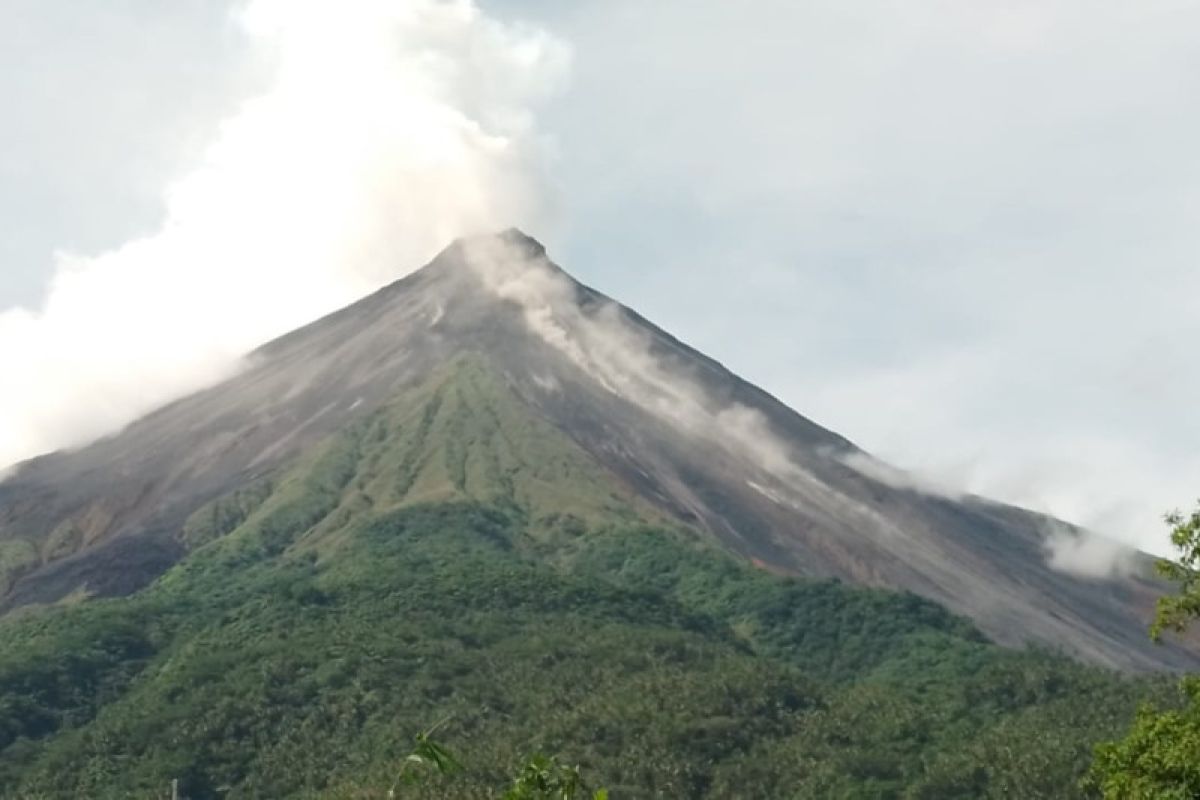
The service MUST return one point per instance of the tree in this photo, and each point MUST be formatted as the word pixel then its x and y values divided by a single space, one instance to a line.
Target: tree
pixel 1176 612
pixel 546 779
pixel 540 778
pixel 426 753
pixel 1160 758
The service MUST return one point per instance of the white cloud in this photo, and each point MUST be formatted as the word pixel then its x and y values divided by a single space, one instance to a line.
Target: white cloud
pixel 388 129
pixel 888 475
pixel 1087 555
pixel 983 421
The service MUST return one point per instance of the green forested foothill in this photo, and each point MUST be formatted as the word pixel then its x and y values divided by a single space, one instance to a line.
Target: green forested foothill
pixel 450 559
pixel 658 665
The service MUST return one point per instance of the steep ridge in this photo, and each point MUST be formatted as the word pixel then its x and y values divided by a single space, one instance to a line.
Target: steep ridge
pixel 672 432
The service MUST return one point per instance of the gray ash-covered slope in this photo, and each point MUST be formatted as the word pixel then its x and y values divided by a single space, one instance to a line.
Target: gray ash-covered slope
pixel 669 426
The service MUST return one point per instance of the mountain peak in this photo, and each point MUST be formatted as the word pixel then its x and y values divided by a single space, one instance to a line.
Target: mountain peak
pixel 511 246
pixel 515 237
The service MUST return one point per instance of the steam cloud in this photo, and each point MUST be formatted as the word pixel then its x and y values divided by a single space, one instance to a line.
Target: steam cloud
pixel 389 128
pixel 1087 555
pixel 897 478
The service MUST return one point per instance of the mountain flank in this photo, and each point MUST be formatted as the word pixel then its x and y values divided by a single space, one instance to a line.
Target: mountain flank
pixel 490 499
pixel 662 432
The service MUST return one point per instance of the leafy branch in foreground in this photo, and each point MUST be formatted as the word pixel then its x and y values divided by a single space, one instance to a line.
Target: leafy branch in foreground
pixel 1160 757
pixel 1176 612
pixel 546 779
pixel 426 753
pixel 540 778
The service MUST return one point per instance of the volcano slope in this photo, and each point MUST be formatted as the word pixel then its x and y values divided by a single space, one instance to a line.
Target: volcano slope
pixel 490 493
pixel 694 443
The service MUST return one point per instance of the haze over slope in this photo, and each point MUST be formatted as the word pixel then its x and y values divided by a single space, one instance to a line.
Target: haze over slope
pixel 668 430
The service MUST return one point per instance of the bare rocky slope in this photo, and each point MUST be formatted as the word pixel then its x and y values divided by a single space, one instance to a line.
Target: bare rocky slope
pixel 668 426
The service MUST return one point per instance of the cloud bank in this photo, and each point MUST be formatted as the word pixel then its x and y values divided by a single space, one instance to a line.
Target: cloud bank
pixel 388 128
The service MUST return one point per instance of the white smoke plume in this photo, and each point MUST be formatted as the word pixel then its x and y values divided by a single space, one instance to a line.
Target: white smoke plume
pixel 1087 555
pixel 888 475
pixel 390 126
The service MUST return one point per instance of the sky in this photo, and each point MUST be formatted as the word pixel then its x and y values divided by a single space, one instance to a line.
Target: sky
pixel 960 234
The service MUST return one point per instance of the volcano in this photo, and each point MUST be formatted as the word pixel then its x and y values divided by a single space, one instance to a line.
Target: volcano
pixel 481 357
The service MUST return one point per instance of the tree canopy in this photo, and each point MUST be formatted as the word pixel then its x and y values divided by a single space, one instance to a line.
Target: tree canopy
pixel 1160 758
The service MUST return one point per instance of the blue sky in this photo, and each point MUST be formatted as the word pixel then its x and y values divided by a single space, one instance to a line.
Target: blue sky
pixel 963 235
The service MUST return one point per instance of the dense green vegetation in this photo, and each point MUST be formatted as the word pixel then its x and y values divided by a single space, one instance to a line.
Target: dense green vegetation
pixel 1159 759
pixel 449 559
pixel 658 665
